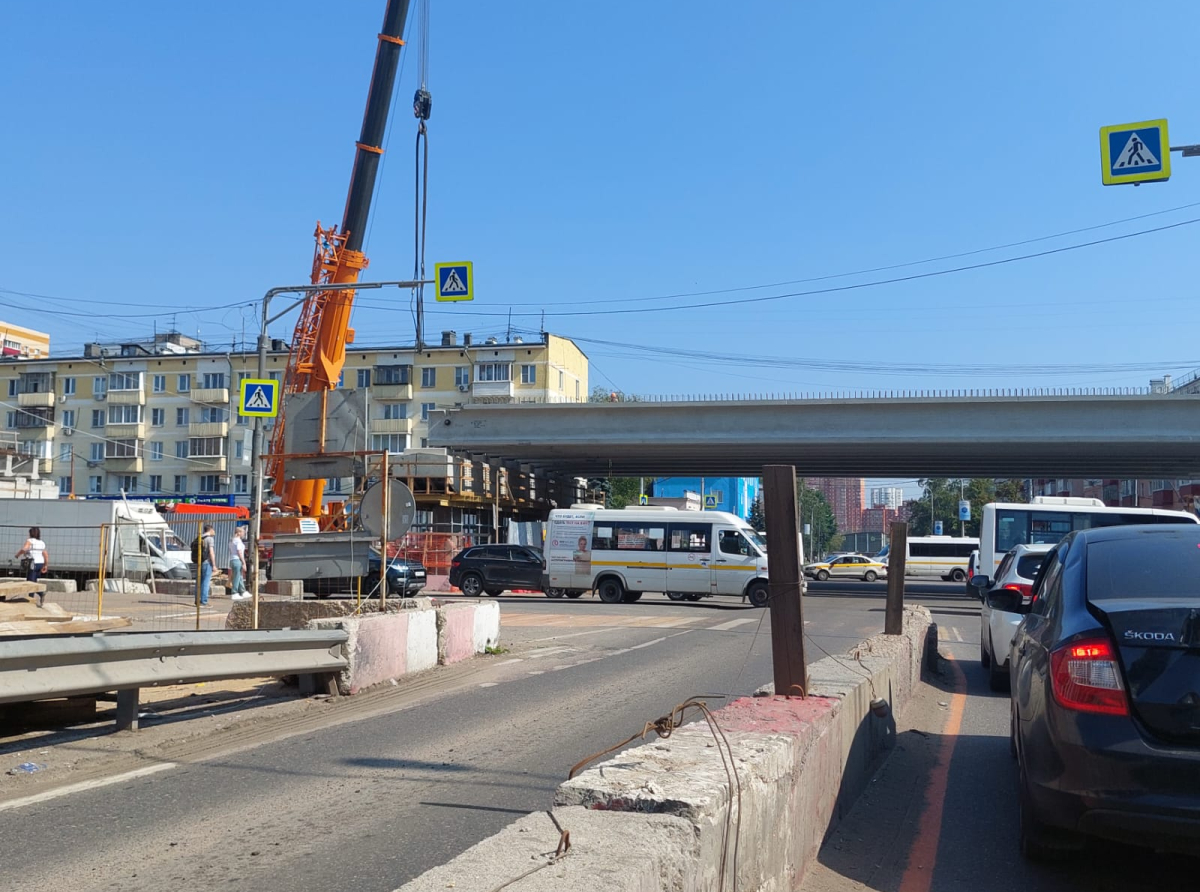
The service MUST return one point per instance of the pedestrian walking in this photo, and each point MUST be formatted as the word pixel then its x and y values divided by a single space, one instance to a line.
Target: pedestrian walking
pixel 237 566
pixel 208 561
pixel 34 558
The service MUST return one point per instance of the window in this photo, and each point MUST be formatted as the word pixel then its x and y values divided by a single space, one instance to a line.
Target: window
pixel 207 446
pixel 96 484
pixel 493 371
pixel 918 548
pixel 181 482
pixel 364 377
pixel 100 385
pixel 462 376
pixel 429 377
pixel 68 418
pixel 389 442
pixel 273 376
pixel 64 485
pixel 241 483
pixel 68 386
pixel 181 448
pixel 181 417
pixel 160 384
pixel 333 484
pixel 210 483
pixel 127 483
pixel 395 410
pixel 529 374
pixel 156 450
pixel 98 418
pixel 158 417
pixel 125 381
pixel 184 384
pixel 560 379
pixel 392 374
pixel 64 451
pixel 733 542
pixel 341 381
pixel 239 448
pixel 695 537
pixel 156 483
pixel 577 390
pixel 122 448
pixel 243 420
pixel 426 408
pixel 630 536
pixel 214 380
pixel 12 387
pixel 97 452
pixel 124 414
pixel 11 420
pixel 213 414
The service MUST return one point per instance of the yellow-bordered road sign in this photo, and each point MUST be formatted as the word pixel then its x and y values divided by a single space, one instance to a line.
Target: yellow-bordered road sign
pixel 454 280
pixel 259 398
pixel 1135 153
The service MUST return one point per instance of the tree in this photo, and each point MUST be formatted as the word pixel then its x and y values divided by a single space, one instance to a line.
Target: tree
pixel 946 495
pixel 815 511
pixel 757 518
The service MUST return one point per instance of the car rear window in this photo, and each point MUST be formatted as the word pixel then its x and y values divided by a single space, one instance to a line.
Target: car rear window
pixel 1029 564
pixel 1144 566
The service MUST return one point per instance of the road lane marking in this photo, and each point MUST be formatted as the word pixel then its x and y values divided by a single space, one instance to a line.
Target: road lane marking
pixel 548 652
pixel 733 624
pixel 922 856
pixel 80 787
pixel 957 634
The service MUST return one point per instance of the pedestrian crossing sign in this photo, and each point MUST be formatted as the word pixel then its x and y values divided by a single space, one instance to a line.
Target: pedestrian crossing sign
pixel 710 502
pixel 259 399
pixel 1135 153
pixel 643 499
pixel 454 281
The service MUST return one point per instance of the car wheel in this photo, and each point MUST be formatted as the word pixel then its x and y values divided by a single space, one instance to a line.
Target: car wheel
pixel 1037 841
pixel 677 596
pixel 694 596
pixel 611 591
pixel 985 658
pixel 494 592
pixel 958 575
pixel 471 585
pixel 869 576
pixel 758 594
pixel 630 597
pixel 578 594
pixel 822 575
pixel 1012 728
pixel 997 673
pixel 555 592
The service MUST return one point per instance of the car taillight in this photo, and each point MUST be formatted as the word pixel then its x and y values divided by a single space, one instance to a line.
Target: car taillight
pixel 1025 590
pixel 1085 677
pixel 456 563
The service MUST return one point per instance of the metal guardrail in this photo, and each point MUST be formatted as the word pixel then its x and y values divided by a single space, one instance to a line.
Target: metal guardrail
pixel 44 668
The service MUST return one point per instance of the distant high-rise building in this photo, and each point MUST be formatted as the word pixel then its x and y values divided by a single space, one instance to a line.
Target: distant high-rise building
pixel 845 497
pixel 887 497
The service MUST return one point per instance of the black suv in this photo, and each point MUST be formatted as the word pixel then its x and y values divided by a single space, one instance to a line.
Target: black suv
pixel 494 568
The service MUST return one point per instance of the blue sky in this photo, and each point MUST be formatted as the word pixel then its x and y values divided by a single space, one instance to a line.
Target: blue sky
pixel 165 157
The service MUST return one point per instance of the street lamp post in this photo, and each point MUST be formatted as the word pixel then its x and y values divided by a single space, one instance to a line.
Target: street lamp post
pixel 256 449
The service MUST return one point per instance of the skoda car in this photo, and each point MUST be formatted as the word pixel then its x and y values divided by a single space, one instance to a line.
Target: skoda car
pixel 1105 671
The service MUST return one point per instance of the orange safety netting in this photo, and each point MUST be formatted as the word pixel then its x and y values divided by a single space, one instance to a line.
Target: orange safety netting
pixel 434 550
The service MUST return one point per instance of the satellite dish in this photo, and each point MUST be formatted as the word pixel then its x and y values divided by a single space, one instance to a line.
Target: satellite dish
pixel 401 516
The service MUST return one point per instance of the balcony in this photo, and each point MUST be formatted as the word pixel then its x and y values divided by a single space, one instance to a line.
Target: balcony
pixel 391 425
pixel 492 391
pixel 41 400
pixel 208 429
pixel 122 465
pixel 389 393
pixel 125 431
pixel 216 395
pixel 208 463
pixel 127 397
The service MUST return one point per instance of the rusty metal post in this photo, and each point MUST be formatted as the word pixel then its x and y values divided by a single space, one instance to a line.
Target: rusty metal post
pixel 893 623
pixel 384 561
pixel 785 580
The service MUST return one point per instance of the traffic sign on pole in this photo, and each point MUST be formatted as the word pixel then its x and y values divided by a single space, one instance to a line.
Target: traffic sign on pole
pixel 454 281
pixel 1135 153
pixel 710 502
pixel 964 510
pixel 259 398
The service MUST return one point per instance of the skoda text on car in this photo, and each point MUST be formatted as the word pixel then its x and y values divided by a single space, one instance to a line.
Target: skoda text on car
pixel 1048 518
pixel 620 554
pixel 1106 691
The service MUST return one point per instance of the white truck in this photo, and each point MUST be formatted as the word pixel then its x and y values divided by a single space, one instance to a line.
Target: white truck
pixel 138 538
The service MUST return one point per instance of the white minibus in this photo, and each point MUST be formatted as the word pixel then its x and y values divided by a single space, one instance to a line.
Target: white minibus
pixel 942 557
pixel 1049 518
pixel 621 553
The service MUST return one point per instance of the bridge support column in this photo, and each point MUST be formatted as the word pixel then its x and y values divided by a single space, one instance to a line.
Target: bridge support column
pixel 783 553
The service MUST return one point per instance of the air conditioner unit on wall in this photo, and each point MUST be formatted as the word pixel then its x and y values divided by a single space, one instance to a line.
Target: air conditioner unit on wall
pixel 463 388
pixel 225 478
pixel 67 431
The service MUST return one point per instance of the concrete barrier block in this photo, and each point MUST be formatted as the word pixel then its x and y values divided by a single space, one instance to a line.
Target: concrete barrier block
pixel 383 647
pixel 456 632
pixel 60 586
pixel 292 588
pixel 422 640
pixel 486 632
pixel 656 852
pixel 126 586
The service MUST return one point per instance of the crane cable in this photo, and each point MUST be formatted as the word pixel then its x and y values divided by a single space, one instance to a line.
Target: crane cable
pixel 422 106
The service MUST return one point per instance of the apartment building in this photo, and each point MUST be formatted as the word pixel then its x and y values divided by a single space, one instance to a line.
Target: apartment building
pixel 845 497
pixel 22 343
pixel 159 416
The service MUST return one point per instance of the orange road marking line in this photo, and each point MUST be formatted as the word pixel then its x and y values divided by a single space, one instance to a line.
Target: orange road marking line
pixel 922 857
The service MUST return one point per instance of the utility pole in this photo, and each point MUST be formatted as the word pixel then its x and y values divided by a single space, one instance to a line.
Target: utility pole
pixel 962 524
pixel 786 582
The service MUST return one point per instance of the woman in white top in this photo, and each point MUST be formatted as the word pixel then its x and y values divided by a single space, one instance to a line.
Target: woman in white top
pixel 35 549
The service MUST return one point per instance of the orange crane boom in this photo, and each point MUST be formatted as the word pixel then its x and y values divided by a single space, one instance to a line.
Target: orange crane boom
pixel 318 350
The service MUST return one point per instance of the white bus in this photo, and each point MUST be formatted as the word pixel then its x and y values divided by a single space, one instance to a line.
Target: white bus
pixel 620 554
pixel 1049 518
pixel 943 557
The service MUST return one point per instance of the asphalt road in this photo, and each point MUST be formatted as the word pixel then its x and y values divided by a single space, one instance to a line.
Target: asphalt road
pixel 363 806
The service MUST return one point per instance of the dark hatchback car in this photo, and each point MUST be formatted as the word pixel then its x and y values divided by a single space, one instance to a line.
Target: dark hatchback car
pixel 405 578
pixel 1105 675
pixel 495 568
